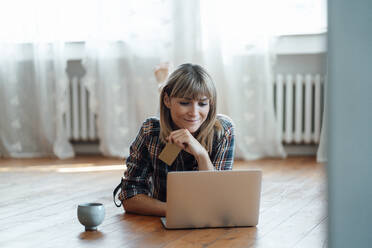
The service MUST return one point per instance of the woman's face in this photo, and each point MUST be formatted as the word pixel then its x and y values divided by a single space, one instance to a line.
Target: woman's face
pixel 188 113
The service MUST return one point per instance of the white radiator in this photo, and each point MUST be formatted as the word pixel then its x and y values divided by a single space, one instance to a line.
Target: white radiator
pixel 79 120
pixel 299 104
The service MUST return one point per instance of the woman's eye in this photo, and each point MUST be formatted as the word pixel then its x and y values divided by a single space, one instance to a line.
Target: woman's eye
pixel 203 104
pixel 184 103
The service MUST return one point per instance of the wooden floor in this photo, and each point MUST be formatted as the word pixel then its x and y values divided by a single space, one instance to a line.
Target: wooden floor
pixel 39 198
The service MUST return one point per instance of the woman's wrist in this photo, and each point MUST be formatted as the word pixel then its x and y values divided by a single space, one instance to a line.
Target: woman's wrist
pixel 146 205
pixel 202 155
pixel 204 162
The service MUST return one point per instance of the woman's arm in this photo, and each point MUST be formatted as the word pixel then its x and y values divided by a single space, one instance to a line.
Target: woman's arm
pixel 222 156
pixel 136 185
pixel 144 204
pixel 204 161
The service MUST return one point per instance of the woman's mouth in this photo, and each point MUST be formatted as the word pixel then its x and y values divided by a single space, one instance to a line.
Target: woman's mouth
pixel 191 121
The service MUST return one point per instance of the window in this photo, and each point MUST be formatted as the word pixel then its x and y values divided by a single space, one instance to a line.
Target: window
pixel 79 20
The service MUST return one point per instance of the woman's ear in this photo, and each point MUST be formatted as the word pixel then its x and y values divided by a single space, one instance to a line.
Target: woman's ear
pixel 166 100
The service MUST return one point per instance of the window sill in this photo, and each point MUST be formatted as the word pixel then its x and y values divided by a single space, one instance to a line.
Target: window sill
pixel 289 44
pixel 301 44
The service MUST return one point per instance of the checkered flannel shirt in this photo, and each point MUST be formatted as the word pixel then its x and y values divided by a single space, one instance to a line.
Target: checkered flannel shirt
pixel 147 174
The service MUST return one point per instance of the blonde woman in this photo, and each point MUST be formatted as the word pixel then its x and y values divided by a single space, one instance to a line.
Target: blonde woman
pixel 188 119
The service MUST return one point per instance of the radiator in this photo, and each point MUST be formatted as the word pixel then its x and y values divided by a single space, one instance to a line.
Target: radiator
pixel 80 122
pixel 298 103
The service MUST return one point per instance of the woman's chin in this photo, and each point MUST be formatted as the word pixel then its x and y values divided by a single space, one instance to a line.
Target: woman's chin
pixel 192 129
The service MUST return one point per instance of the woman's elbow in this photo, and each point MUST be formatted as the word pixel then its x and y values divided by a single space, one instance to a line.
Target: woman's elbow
pixel 127 206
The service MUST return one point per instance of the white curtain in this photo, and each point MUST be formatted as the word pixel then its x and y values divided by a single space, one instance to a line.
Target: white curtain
pixel 32 100
pixel 238 52
pixel 120 74
pixel 322 153
pixel 33 80
pixel 120 66
pixel 124 40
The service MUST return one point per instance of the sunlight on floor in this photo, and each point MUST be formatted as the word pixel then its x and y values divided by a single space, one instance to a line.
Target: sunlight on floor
pixel 92 168
pixel 65 168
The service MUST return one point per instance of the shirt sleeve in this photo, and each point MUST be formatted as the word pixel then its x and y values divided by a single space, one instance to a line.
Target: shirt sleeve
pixel 137 176
pixel 223 157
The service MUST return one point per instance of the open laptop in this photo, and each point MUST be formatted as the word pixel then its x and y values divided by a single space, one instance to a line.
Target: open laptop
pixel 199 199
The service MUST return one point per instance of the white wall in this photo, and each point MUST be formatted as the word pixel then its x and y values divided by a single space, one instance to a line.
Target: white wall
pixel 301 54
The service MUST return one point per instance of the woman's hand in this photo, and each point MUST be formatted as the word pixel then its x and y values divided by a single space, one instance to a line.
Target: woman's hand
pixel 184 139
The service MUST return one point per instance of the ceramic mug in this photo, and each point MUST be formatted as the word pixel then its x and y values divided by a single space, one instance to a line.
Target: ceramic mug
pixel 91 215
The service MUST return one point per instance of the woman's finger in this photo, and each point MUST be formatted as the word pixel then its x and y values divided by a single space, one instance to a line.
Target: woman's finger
pixel 181 139
pixel 179 135
pixel 178 142
pixel 176 134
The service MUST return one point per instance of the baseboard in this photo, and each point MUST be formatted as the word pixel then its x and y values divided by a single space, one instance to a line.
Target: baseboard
pixel 299 149
pixel 86 148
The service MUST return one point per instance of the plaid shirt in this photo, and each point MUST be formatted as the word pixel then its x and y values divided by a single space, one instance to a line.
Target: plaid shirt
pixel 147 174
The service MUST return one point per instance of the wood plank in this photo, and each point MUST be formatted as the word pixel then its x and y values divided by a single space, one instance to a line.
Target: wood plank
pixel 38 208
pixel 286 199
pixel 316 237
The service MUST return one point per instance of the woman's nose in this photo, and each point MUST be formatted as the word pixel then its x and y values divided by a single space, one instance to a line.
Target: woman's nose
pixel 193 110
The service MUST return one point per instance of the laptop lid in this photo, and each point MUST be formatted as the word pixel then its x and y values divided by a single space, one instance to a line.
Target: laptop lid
pixel 197 199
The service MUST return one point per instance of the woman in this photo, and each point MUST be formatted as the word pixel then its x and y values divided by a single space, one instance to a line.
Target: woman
pixel 188 119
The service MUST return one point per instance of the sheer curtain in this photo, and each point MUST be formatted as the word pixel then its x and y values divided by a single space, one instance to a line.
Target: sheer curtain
pixel 33 80
pixel 239 54
pixel 120 66
pixel 32 100
pixel 124 40
pixel 120 75
pixel 322 153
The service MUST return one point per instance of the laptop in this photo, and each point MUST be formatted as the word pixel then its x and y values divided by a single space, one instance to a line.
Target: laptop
pixel 202 199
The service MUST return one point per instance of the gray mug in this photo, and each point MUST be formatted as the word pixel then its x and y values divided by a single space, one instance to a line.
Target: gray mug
pixel 91 215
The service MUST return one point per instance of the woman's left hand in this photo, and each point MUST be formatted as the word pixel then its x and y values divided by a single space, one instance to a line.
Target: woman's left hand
pixel 184 139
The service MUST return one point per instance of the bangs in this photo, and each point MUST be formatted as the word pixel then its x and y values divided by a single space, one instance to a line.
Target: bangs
pixel 195 90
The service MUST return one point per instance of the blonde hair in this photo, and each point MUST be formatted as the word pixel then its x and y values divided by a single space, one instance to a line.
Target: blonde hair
pixel 191 81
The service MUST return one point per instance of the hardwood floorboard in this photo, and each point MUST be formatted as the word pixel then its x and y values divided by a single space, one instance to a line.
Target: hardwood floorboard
pixel 46 192
pixel 55 208
pixel 316 237
pixel 283 204
pixel 38 206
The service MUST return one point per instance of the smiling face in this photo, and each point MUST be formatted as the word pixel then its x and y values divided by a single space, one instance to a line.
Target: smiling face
pixel 188 113
pixel 188 100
